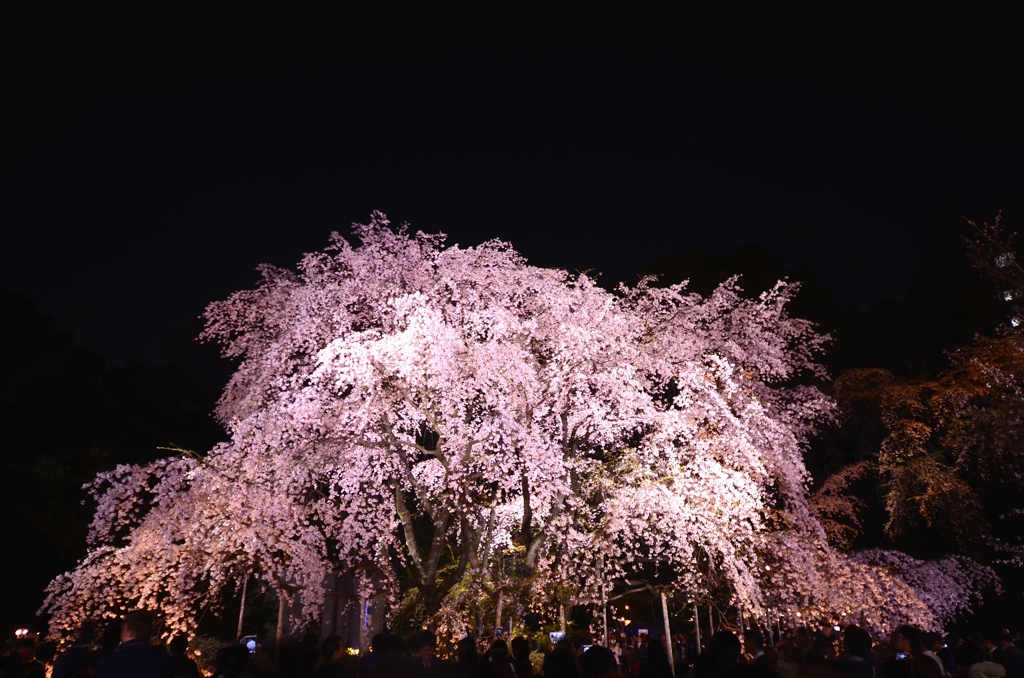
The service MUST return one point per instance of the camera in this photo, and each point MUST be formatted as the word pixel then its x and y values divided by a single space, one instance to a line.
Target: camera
pixel 556 637
pixel 901 655
pixel 250 643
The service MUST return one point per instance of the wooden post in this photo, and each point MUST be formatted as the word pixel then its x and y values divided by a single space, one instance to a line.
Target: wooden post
pixel 739 618
pixel 604 604
pixel 282 599
pixel 364 631
pixel 668 633
pixel 696 626
pixel 241 609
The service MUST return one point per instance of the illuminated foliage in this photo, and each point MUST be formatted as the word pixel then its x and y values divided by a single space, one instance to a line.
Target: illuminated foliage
pixel 949 460
pixel 416 411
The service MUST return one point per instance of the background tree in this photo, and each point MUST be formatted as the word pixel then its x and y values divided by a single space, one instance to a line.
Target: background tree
pixel 939 460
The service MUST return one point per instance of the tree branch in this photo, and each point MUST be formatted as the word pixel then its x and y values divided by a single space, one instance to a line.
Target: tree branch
pixel 410 535
pixel 533 550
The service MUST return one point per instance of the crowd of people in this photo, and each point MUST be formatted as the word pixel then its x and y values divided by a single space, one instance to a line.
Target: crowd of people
pixel 127 651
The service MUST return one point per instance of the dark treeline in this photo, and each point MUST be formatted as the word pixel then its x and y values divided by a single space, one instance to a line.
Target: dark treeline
pixel 67 415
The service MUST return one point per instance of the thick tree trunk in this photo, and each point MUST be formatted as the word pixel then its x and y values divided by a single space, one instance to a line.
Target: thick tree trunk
pixel 527 527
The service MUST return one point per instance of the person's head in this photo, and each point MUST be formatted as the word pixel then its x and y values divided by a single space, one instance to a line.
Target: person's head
pixel 387 645
pixel 425 645
pixel 467 651
pixel 520 647
pixel 86 634
pixel 137 625
pixel 971 653
pixel 499 650
pixel 331 648
pixel 46 651
pixel 923 666
pixel 26 648
pixel 232 660
pixel 903 639
pixel 110 638
pixel 726 648
pixel 178 645
pixel 753 639
pixel 581 641
pixel 598 661
pixel 561 662
pixel 931 641
pixel 857 641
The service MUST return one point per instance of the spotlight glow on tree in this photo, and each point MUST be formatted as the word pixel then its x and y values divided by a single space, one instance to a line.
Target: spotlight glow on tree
pixel 416 410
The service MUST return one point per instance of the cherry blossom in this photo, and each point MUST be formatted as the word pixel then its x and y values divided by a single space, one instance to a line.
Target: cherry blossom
pixel 417 412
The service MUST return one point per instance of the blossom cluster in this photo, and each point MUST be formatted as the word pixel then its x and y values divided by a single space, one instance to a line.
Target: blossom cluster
pixel 402 406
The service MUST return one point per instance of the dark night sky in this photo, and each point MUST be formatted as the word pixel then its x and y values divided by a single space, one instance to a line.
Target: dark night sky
pixel 148 171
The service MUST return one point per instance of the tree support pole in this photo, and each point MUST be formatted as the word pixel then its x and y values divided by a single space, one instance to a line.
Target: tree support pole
pixel 696 626
pixel 241 609
pixel 282 598
pixel 364 634
pixel 739 618
pixel 604 604
pixel 668 633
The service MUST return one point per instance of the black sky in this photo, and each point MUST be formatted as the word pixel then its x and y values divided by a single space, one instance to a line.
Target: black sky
pixel 150 163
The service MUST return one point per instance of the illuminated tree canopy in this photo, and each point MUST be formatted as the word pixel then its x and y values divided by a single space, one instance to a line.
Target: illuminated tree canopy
pixel 412 409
